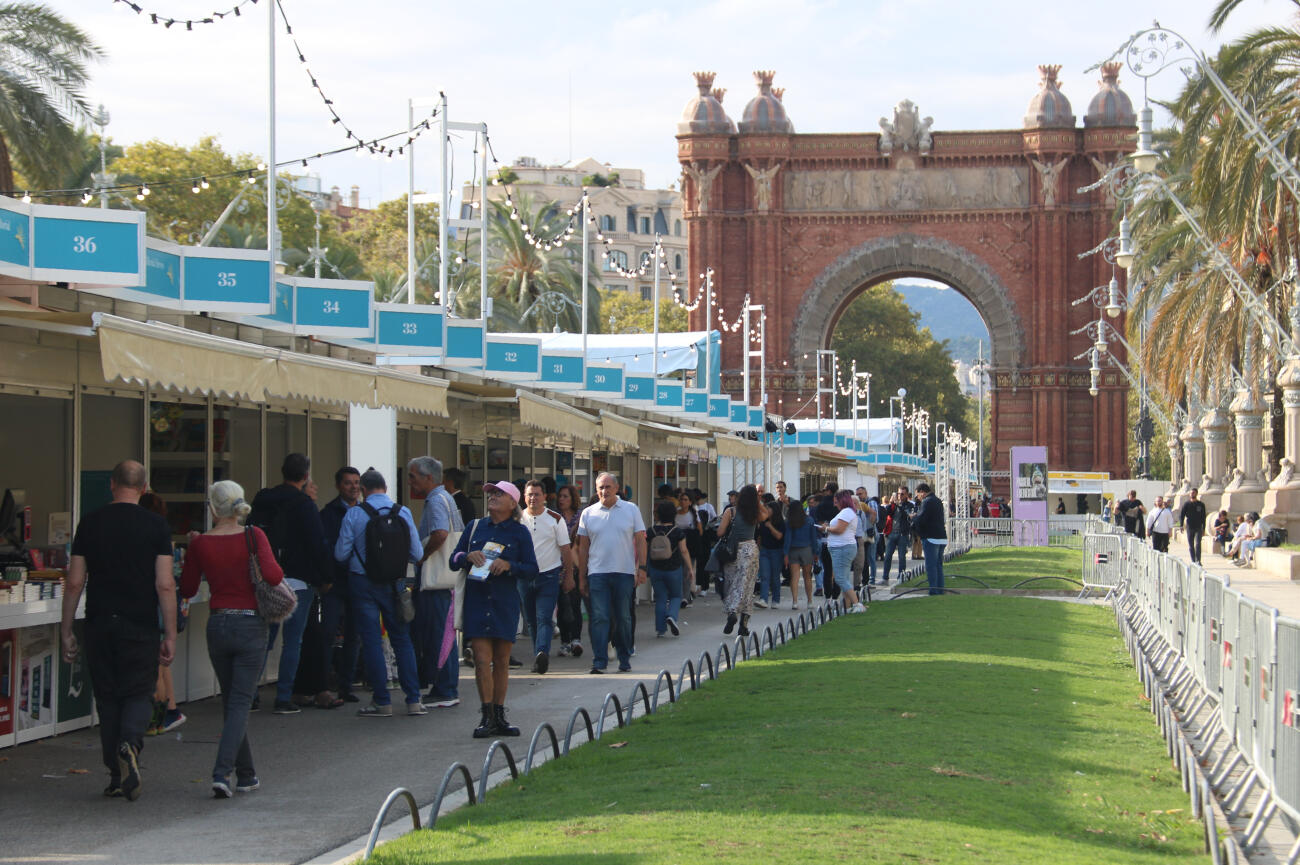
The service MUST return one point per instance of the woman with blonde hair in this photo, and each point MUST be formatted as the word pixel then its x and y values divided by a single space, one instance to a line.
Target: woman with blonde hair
pixel 236 633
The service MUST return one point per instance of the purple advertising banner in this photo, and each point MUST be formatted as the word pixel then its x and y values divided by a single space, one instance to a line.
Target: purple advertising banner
pixel 1029 495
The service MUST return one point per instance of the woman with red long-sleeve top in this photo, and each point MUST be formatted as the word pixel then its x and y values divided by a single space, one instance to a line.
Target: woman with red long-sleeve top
pixel 236 633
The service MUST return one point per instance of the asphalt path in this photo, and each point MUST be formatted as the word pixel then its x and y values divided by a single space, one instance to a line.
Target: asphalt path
pixel 324 773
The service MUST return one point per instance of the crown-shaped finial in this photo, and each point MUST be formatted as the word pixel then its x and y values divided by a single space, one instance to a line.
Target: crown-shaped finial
pixel 704 80
pixel 779 93
pixel 719 92
pixel 1049 73
pixel 764 78
pixel 1110 72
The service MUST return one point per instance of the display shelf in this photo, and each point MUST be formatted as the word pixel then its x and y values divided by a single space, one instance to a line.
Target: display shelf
pixel 33 613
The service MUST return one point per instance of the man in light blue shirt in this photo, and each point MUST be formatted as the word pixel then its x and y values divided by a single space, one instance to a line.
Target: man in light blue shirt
pixel 611 563
pixel 370 600
pixel 433 623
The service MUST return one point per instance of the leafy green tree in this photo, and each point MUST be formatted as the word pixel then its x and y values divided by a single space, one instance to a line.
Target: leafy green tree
pixel 628 312
pixel 77 174
pixel 44 64
pixel 379 237
pixel 881 332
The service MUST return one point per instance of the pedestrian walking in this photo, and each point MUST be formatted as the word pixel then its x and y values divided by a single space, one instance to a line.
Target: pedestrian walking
pixel 571 602
pixel 668 558
pixel 122 560
pixel 1160 524
pixel 236 634
pixel 900 511
pixel 375 590
pixel 931 527
pixel 555 566
pixel 742 522
pixel 495 551
pixel 843 546
pixel 611 563
pixel 800 552
pixel 1191 518
pixel 433 632
pixel 771 554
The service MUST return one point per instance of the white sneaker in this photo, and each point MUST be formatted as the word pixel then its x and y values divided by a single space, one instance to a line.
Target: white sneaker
pixel 857 608
pixel 794 605
pixel 760 603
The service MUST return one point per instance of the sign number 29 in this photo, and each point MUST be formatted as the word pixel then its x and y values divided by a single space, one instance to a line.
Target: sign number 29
pixel 83 245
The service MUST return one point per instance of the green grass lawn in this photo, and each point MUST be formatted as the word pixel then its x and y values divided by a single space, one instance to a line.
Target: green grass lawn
pixel 953 729
pixel 1003 567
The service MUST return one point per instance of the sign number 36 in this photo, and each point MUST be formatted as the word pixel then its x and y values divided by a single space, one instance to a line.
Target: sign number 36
pixel 82 245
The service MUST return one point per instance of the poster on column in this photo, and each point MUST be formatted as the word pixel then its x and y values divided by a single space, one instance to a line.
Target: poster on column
pixel 1029 495
pixel 36 677
pixel 7 670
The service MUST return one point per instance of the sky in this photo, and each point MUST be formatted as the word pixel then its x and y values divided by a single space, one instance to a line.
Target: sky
pixel 574 79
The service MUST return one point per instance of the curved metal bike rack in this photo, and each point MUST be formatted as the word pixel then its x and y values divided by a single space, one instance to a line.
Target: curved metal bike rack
pixel 586 719
pixel 639 687
pixel 442 792
pixel 399 793
pixel 687 666
pixel 497 745
pixel 532 745
pixel 665 676
pixel 706 661
pixel 724 651
pixel 604 708
pixel 1037 579
pixel 743 644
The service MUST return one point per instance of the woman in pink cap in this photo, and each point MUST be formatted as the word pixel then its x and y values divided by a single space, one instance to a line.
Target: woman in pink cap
pixel 497 551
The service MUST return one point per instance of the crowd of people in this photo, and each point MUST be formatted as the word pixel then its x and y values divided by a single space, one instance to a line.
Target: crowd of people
pixel 1236 538
pixel 347 586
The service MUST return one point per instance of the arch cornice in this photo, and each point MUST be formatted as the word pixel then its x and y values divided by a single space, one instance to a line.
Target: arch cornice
pixel 909 255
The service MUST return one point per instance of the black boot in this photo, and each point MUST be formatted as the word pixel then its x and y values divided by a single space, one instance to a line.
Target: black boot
pixel 502 727
pixel 731 623
pixel 744 626
pixel 487 727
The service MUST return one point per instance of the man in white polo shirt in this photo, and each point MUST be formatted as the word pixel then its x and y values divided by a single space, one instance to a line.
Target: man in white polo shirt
pixel 554 561
pixel 611 563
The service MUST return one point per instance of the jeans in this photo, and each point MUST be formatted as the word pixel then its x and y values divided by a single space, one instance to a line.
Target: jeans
pixel 235 648
pixel 667 587
pixel 611 617
pixel 571 605
pixel 934 565
pixel 770 563
pixel 291 648
pixel 1194 535
pixel 370 600
pixel 522 586
pixel 539 608
pixel 1160 541
pixel 869 551
pixel 336 617
pixel 427 632
pixel 842 565
pixel 899 542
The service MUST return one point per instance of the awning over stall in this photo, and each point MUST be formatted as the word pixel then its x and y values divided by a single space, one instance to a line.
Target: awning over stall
pixel 555 417
pixel 733 446
pixel 617 429
pixel 195 362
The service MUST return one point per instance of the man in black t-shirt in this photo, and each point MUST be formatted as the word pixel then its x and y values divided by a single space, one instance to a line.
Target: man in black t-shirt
pixel 1192 517
pixel 122 558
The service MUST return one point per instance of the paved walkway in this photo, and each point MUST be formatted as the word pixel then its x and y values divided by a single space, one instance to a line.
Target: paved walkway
pixel 1258 585
pixel 324 773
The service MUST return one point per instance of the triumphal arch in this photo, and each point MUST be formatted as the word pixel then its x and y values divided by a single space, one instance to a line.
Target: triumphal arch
pixel 802 223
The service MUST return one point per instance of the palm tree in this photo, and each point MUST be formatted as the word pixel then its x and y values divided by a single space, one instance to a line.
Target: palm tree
pixel 43 68
pixel 532 289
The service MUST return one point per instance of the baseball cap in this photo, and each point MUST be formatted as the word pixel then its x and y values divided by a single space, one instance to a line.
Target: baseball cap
pixel 503 487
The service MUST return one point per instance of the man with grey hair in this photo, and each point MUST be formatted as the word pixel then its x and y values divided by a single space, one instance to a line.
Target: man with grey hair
pixel 611 563
pixel 434 628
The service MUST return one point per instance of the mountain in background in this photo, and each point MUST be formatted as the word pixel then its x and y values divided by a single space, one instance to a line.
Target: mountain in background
pixel 950 316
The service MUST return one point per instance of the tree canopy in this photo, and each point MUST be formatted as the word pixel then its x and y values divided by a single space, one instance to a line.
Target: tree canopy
pixel 882 334
pixel 628 312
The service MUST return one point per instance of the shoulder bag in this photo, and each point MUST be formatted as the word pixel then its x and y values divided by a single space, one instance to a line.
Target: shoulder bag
pixel 437 572
pixel 275 603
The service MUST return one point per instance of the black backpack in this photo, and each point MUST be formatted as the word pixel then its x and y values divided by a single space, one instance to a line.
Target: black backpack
pixel 388 545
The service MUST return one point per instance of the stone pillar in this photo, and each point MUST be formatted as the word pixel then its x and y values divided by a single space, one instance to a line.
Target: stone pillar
pixel 1282 501
pixel 1245 492
pixel 1193 458
pixel 1215 425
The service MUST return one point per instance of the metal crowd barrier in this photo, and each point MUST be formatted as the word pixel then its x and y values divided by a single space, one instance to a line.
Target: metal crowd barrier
pixel 1223 674
pixel 692 677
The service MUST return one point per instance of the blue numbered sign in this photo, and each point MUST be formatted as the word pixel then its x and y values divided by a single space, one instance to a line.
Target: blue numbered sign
pixel 231 280
pixel 15 238
pixel 407 328
pixel 83 245
pixel 513 357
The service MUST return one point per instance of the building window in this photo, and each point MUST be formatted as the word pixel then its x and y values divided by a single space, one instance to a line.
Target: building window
pixel 607 223
pixel 645 225
pixel 616 258
pixel 677 227
pixel 645 292
pixel 677 260
pixel 645 259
